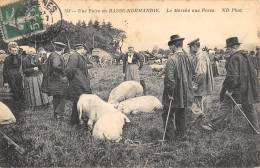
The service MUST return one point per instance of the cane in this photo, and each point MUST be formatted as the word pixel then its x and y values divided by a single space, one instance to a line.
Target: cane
pixel 166 122
pixel 244 114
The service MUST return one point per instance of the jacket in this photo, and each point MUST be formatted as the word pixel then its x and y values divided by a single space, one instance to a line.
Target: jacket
pixel 136 58
pixel 28 64
pixel 178 81
pixel 241 80
pixel 77 73
pixel 203 75
pixel 54 81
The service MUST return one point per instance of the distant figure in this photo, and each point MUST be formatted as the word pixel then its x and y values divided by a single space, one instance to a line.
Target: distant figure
pixel 79 80
pixel 258 62
pixel 253 59
pixel 203 81
pixel 240 83
pixel 12 75
pixel 42 55
pixel 55 82
pixel 33 80
pixel 214 63
pixel 177 88
pixel 118 56
pixel 130 65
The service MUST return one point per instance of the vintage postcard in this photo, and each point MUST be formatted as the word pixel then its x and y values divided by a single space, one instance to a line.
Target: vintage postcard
pixel 129 83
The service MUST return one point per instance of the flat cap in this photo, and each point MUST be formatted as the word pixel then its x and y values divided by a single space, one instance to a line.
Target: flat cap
pixel 193 42
pixel 60 44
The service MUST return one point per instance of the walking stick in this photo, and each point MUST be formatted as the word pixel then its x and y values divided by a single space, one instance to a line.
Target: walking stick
pixel 244 115
pixel 166 121
pixel 10 141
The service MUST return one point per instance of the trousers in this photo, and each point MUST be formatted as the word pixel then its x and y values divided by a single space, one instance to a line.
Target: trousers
pixel 59 102
pixel 226 108
pixel 179 122
pixel 74 115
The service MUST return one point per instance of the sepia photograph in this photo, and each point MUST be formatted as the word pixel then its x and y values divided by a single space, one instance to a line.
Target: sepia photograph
pixel 129 83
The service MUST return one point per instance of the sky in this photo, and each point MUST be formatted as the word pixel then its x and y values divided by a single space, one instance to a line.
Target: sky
pixel 146 30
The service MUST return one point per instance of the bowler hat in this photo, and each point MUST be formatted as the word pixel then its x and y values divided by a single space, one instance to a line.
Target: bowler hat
pixel 175 38
pixel 232 41
pixel 193 42
pixel 60 44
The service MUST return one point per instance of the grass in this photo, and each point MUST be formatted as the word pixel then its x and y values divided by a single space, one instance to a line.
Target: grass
pixel 49 143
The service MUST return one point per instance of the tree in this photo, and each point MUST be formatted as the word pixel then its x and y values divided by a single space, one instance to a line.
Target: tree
pixel 167 53
pixel 90 23
pixel 96 25
pixel 161 51
pixel 155 50
pixel 109 26
pixel 84 25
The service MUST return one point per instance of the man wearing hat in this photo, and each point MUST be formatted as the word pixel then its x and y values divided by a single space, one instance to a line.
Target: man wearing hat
pixel 12 75
pixel 130 67
pixel 178 93
pixel 55 82
pixel 79 80
pixel 203 81
pixel 241 84
pixel 258 62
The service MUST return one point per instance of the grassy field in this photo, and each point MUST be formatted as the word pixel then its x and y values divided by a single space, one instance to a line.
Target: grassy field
pixel 51 143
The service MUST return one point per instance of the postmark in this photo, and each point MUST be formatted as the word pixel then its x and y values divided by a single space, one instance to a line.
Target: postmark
pixel 36 21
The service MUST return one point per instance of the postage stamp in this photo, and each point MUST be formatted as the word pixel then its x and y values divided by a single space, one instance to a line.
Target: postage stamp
pixel 37 21
pixel 19 19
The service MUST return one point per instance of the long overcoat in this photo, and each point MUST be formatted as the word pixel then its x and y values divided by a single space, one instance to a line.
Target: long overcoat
pixel 54 81
pixel 178 81
pixel 203 75
pixel 77 73
pixel 241 79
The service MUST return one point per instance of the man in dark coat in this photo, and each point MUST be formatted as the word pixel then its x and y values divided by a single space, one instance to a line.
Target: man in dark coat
pixel 12 75
pixel 55 82
pixel 241 83
pixel 79 81
pixel 177 88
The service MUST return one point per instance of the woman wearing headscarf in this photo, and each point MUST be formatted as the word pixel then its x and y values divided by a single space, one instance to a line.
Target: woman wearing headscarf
pixel 33 80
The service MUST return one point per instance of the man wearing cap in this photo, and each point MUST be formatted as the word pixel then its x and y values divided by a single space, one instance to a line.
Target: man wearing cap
pixel 178 93
pixel 12 75
pixel 130 67
pixel 258 62
pixel 203 81
pixel 79 81
pixel 55 82
pixel 241 84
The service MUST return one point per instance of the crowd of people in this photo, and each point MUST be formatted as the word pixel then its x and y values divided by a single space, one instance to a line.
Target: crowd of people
pixel 189 77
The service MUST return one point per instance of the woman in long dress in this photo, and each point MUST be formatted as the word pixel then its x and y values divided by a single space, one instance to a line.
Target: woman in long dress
pixel 33 80
pixel 130 65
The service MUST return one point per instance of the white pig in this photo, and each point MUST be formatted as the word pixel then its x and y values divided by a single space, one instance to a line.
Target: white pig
pixel 110 126
pixel 6 116
pixel 92 107
pixel 140 104
pixel 124 91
